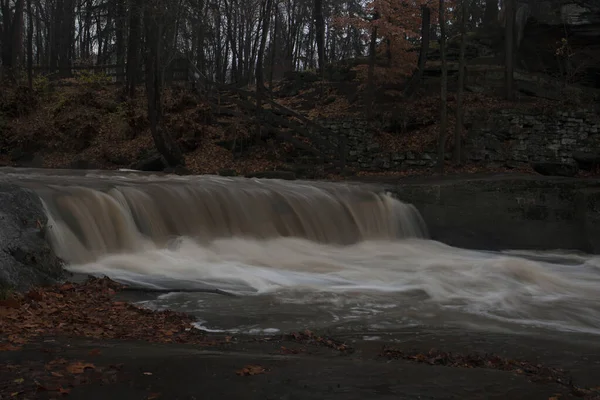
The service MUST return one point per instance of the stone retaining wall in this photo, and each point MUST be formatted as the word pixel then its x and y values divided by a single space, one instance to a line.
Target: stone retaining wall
pixel 507 137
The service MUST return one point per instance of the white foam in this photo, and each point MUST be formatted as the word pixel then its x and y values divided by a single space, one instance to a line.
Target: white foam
pixel 298 271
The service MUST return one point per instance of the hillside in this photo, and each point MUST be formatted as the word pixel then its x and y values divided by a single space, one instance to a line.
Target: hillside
pixel 86 122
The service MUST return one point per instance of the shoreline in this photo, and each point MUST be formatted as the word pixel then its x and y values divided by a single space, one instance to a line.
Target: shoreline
pixel 71 346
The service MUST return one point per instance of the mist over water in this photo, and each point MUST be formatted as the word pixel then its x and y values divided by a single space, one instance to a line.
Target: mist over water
pixel 306 255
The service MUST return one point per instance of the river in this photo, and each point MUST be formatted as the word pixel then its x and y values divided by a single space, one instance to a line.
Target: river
pixel 318 255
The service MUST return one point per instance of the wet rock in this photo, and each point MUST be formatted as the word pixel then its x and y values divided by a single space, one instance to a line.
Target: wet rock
pixel 153 163
pixel 555 169
pixel 227 172
pixel 36 161
pixel 26 259
pixel 24 158
pixel 285 175
pixel 178 170
pixel 81 163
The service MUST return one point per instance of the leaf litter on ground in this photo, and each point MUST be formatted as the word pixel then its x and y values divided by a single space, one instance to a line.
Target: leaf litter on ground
pixel 536 372
pixel 89 310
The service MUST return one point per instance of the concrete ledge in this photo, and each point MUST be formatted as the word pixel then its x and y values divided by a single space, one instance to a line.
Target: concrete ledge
pixel 508 212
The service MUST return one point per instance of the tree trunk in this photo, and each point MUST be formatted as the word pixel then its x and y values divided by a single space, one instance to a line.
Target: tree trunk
pixel 67 21
pixel 510 49
pixel 371 71
pixel 120 39
pixel 260 82
pixel 133 48
pixel 163 141
pixel 444 92
pixel 490 16
pixel 460 112
pixel 12 35
pixel 415 82
pixel 274 46
pixel 320 32
pixel 29 45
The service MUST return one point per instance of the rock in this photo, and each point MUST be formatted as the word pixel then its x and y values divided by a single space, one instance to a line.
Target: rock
pixel 26 258
pixel 37 161
pixel 18 154
pixel 27 159
pixel 285 175
pixel 83 164
pixel 178 170
pixel 586 160
pixel 227 172
pixel 555 169
pixel 153 163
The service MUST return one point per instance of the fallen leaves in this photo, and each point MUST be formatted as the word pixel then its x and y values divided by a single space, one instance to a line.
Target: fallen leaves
pixel 95 352
pixel 308 337
pixel 250 370
pixel 535 372
pixel 88 310
pixel 79 367
pixel 9 347
pixel 56 377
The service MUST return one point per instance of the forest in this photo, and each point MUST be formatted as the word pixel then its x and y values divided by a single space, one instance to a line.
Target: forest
pixel 251 45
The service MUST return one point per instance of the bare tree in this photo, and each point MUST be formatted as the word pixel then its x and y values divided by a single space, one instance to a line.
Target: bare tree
pixel 444 91
pixel 509 38
pixel 12 35
pixel 371 72
pixel 29 45
pixel 461 83
pixel 135 12
pixel 490 16
pixel 320 32
pixel 417 76
pixel 153 23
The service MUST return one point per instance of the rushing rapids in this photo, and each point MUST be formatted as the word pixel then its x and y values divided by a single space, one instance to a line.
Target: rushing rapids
pixel 303 254
pixel 87 223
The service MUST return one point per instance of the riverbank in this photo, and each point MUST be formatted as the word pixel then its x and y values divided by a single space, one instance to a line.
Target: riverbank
pixel 140 354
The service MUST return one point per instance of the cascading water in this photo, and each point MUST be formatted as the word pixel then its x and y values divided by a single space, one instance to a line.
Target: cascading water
pixel 304 255
pixel 87 223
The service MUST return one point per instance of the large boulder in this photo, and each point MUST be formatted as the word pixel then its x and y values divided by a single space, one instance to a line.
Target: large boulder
pixel 26 259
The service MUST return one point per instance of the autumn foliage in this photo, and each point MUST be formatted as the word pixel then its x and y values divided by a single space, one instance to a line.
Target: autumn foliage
pixel 398 27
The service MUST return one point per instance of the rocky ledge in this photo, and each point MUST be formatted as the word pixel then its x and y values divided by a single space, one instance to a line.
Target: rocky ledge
pixel 26 259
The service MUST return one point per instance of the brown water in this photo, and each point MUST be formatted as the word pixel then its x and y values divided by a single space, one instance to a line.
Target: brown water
pixel 303 254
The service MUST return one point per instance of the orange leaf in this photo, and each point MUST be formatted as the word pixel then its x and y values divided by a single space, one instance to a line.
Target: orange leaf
pixel 250 370
pixel 95 352
pixel 9 347
pixel 79 367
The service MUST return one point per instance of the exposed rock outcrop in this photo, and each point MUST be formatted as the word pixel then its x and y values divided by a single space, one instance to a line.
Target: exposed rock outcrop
pixel 26 259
